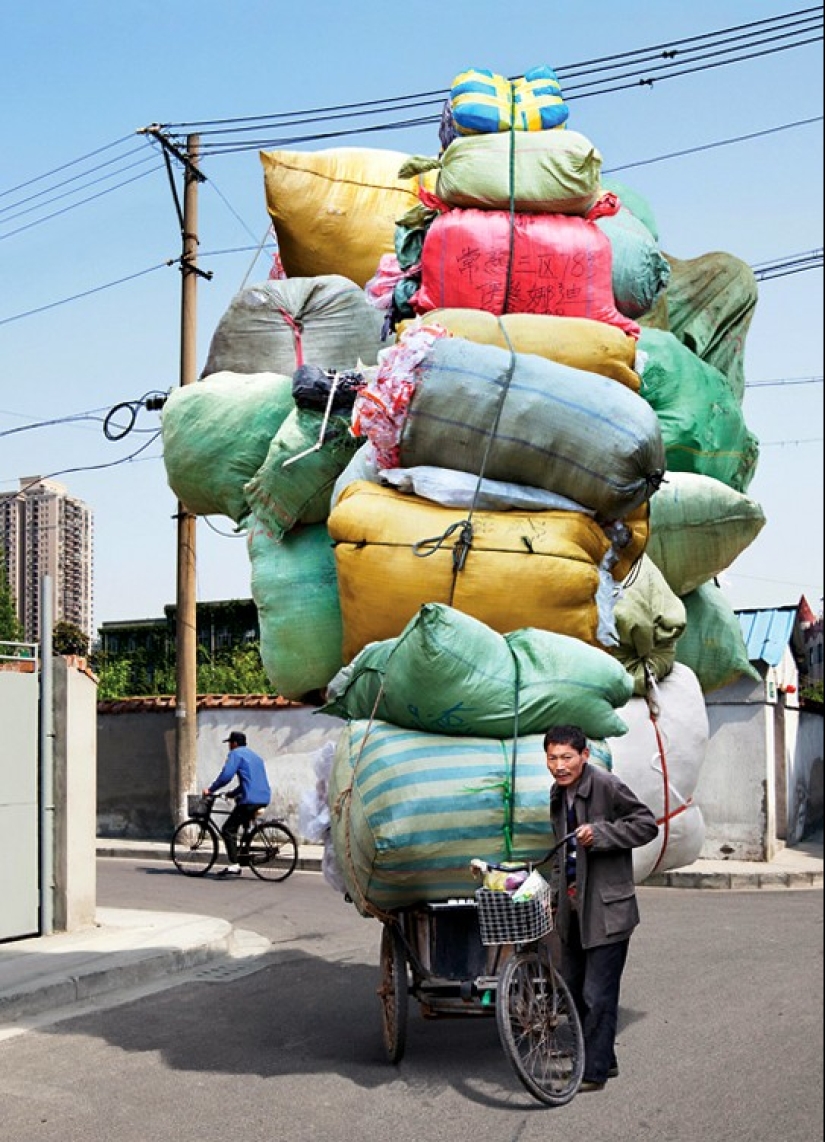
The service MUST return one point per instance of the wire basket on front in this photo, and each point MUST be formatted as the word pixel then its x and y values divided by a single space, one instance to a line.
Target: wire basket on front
pixel 197 805
pixel 503 920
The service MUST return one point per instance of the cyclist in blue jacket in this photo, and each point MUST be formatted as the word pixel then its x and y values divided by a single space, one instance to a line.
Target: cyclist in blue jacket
pixel 252 793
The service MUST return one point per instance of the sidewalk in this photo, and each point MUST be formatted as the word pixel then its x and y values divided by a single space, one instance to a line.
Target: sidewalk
pixel 128 949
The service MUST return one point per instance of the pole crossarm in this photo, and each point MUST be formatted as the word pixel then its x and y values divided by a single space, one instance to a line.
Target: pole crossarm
pixel 156 131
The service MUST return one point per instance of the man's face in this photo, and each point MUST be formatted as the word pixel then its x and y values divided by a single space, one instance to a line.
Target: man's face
pixel 565 764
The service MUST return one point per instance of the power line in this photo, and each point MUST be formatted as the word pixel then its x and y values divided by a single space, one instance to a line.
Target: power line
pixel 713 146
pixel 65 166
pixel 783 382
pixel 794 264
pixel 66 209
pixel 85 293
pixel 796 23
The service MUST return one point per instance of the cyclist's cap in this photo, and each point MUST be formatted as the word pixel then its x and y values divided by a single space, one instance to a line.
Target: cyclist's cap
pixel 236 738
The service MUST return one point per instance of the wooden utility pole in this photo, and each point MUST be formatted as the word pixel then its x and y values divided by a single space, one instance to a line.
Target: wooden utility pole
pixel 185 766
pixel 186 630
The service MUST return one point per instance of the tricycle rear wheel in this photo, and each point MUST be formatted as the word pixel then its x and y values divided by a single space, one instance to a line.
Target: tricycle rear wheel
pixel 394 992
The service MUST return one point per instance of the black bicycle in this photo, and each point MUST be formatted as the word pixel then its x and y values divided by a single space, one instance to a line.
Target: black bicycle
pixel 266 846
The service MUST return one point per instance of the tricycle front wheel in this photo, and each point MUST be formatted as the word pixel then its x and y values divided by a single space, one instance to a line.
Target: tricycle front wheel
pixel 394 993
pixel 539 1028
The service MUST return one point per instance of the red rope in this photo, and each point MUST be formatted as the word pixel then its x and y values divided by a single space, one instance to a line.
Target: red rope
pixel 666 820
pixel 297 329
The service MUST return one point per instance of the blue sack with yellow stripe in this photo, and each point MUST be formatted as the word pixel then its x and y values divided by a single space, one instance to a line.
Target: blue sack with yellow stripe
pixel 483 102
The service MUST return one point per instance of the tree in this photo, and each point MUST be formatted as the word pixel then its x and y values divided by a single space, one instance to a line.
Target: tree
pixel 69 639
pixel 235 671
pixel 10 629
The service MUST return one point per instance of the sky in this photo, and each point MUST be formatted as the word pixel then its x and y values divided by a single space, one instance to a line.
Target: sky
pixel 90 306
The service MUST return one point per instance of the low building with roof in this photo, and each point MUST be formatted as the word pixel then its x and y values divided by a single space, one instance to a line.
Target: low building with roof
pixel 761 786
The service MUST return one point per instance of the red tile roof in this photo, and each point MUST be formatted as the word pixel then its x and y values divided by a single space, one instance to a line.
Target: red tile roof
pixel 159 703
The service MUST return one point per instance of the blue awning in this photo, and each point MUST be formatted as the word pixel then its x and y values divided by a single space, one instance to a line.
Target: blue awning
pixel 767 633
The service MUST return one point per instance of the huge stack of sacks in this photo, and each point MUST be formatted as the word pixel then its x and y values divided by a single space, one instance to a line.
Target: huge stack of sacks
pixel 262 437
pixel 511 444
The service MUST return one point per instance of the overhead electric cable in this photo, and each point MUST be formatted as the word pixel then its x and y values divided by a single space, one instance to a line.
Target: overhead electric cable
pixel 65 166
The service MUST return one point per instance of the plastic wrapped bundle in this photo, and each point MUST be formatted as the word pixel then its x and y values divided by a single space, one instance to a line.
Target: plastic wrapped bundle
pixel 334 211
pixel 295 590
pixel 713 645
pixel 650 619
pixel 216 434
pixel 579 342
pixel 698 528
pixel 533 171
pixel 660 758
pixel 513 417
pixel 448 673
pixel 702 424
pixel 521 263
pixel 395 552
pixel 410 810
pixel 279 325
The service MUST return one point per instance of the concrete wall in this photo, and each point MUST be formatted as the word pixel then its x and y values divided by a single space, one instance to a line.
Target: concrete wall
pixel 75 783
pixel 136 750
pixel 805 792
pixel 134 763
pixel 761 785
pixel 735 790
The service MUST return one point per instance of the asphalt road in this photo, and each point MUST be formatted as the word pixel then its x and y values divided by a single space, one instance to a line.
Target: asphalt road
pixel 721 1034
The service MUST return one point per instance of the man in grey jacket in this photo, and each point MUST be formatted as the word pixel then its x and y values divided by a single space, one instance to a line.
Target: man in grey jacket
pixel 596 906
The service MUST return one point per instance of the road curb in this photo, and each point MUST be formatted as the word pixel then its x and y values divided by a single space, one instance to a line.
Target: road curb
pixel 308 859
pixel 735 880
pixel 101 972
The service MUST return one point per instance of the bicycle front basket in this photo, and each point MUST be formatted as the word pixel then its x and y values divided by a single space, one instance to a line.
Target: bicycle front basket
pixel 502 920
pixel 197 806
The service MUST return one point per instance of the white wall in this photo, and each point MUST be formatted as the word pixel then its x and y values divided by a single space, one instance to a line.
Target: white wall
pixel 287 742
pixel 75 796
pixel 735 790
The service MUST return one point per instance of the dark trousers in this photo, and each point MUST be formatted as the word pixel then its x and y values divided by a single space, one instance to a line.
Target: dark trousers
pixel 239 818
pixel 594 977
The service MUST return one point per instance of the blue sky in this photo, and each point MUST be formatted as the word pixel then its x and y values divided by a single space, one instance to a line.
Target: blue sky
pixel 78 78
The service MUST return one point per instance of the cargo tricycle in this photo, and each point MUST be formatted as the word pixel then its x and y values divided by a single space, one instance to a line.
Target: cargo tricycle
pixel 486 955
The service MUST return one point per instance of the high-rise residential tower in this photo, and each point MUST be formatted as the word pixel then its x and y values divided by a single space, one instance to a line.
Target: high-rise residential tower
pixel 46 531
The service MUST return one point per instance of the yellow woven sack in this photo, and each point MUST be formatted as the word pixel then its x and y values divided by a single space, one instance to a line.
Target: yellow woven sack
pixel 334 211
pixel 593 346
pixel 522 569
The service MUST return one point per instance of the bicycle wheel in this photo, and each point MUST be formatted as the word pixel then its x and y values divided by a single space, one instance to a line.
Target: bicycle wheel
pixel 273 851
pixel 195 847
pixel 539 1028
pixel 393 993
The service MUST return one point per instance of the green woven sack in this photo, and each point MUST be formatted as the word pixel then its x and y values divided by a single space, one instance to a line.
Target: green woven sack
pixel 410 810
pixel 529 171
pixel 216 434
pixel 649 617
pixel 277 325
pixel 529 420
pixel 295 590
pixel 640 270
pixel 702 424
pixel 449 673
pixel 636 203
pixel 710 302
pixel 698 527
pixel 294 484
pixel 712 645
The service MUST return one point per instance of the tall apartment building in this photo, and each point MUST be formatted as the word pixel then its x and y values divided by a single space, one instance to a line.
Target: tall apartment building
pixel 45 531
